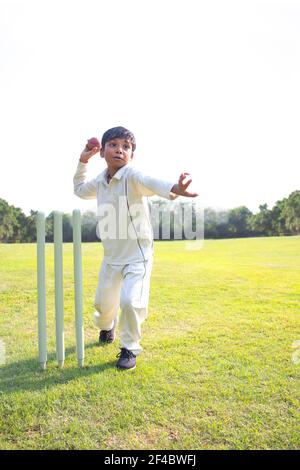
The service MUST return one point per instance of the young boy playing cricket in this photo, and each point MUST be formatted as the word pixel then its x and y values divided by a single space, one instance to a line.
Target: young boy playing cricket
pixel 124 278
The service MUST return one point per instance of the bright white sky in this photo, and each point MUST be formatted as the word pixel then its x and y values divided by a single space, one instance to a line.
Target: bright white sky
pixel 209 87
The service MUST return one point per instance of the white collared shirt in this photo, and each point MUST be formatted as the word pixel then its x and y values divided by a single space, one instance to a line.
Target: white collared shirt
pixel 128 239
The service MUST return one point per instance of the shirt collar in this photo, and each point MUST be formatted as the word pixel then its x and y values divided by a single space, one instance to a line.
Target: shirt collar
pixel 118 175
pixel 120 172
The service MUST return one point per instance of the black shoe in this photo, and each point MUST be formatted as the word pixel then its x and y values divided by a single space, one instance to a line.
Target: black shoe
pixel 107 336
pixel 127 360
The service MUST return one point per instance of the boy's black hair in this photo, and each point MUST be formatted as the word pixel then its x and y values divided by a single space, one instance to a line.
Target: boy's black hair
pixel 118 133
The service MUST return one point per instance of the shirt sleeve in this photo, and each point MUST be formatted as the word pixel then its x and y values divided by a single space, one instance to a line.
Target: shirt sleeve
pixel 149 186
pixel 82 189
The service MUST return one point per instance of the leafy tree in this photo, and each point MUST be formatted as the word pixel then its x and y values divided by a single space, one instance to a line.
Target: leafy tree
pixel 238 220
pixel 261 223
pixel 89 224
pixel 7 221
pixel 12 223
pixel 67 228
pixel 49 227
pixel 278 219
pixel 291 213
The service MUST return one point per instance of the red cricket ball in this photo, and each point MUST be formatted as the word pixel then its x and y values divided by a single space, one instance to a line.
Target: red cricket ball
pixel 93 142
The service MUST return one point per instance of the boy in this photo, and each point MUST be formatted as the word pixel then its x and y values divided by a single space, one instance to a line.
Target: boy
pixel 124 278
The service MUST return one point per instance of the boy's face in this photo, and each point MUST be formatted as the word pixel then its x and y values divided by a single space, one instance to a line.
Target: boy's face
pixel 117 153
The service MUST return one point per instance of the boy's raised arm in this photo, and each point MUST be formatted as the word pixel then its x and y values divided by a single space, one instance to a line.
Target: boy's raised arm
pixel 87 153
pixel 82 189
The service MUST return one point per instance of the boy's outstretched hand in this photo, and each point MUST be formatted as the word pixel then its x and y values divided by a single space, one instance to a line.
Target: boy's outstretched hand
pixel 181 189
pixel 86 154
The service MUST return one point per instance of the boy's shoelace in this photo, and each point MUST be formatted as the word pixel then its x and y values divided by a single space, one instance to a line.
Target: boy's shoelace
pixel 124 353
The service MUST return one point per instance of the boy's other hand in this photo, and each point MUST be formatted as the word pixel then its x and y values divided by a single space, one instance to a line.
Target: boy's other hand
pixel 86 154
pixel 181 189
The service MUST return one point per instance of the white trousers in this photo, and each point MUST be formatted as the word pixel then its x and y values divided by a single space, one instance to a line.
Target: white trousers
pixel 125 286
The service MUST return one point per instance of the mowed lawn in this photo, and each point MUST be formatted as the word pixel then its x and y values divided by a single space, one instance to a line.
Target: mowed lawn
pixel 220 367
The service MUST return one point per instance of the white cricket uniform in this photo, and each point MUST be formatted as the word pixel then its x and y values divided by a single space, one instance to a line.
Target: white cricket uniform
pixel 124 277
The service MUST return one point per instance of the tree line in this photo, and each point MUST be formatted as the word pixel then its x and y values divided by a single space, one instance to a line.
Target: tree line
pixel 283 219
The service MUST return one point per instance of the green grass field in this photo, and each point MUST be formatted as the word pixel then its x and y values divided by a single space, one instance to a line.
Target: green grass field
pixel 218 369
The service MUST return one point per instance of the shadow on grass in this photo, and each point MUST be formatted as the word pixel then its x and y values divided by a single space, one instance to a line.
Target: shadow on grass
pixel 27 375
